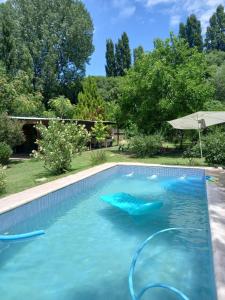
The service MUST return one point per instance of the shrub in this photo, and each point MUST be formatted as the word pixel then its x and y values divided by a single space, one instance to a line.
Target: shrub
pixel 10 131
pixel 5 153
pixel 98 157
pixel 2 180
pixel 214 148
pixel 100 132
pixel 58 143
pixel 145 145
pixel 191 153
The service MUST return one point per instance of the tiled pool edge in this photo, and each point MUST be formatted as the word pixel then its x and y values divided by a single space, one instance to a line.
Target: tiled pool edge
pixel 216 207
pixel 15 200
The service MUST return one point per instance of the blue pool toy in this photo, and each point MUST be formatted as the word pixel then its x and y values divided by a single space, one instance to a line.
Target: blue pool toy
pixel 170 288
pixel 130 204
pixel 211 178
pixel 21 236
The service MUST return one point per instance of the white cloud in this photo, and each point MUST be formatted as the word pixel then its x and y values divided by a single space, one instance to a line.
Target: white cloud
pixel 175 20
pixel 126 8
pixel 127 11
pixel 177 8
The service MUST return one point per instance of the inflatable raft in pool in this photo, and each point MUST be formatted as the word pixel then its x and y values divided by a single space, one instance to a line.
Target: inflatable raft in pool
pixel 131 204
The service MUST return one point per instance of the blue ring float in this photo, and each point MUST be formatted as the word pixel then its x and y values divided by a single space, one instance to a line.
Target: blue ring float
pixel 21 236
pixel 154 285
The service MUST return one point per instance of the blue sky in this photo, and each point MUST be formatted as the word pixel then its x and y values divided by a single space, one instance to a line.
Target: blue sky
pixel 143 20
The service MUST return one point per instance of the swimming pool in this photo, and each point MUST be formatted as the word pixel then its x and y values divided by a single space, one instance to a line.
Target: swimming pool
pixel 88 245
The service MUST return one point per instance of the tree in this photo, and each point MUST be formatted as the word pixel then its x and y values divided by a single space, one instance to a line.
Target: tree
pixel 54 39
pixel 123 55
pixel 110 59
pixel 91 105
pixel 126 51
pixel 10 131
pixel 165 84
pixel 215 34
pixel 7 39
pixel 137 53
pixel 119 58
pixel 100 131
pixel 62 107
pixel 182 31
pixel 192 32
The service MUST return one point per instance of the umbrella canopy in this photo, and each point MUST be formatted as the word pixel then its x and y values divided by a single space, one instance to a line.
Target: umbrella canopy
pixel 199 120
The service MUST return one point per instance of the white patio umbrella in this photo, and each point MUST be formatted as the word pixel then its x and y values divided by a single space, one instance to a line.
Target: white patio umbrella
pixel 199 120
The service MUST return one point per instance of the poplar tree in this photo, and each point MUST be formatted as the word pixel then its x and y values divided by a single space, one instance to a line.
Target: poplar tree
pixel 126 51
pixel 123 55
pixel 192 32
pixel 215 34
pixel 119 58
pixel 110 67
pixel 137 53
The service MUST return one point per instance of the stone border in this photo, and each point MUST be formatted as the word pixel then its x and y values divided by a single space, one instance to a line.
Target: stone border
pixel 216 208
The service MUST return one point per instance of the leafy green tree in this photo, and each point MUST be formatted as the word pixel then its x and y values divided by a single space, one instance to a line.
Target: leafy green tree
pixel 7 91
pixel 10 131
pixel 91 105
pixel 215 34
pixel 165 84
pixel 192 32
pixel 99 131
pixel 138 52
pixel 62 107
pixel 110 59
pixel 28 105
pixel 54 39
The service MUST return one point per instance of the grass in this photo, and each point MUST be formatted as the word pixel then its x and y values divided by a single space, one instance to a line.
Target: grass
pixel 24 174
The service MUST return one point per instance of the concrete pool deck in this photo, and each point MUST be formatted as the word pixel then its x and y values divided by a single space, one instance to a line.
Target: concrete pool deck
pixel 216 206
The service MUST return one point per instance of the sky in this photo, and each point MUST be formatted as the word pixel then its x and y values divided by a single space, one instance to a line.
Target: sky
pixel 143 20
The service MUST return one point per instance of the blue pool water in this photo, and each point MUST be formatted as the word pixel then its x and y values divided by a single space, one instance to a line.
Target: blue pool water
pixel 88 246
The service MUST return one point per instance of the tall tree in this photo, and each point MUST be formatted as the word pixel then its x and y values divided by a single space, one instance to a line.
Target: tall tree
pixel 126 51
pixel 215 34
pixel 110 67
pixel 56 41
pixel 182 31
pixel 192 32
pixel 137 53
pixel 7 39
pixel 123 55
pixel 119 58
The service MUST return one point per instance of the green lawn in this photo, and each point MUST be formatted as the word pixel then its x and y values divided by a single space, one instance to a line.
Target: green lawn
pixel 24 174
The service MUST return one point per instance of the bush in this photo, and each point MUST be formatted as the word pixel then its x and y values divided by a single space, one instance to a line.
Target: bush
pixel 145 145
pixel 10 131
pixel 59 142
pixel 98 157
pixel 214 148
pixel 191 153
pixel 2 180
pixel 5 153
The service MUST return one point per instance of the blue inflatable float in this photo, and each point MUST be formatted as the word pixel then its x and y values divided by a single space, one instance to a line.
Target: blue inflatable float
pixel 130 204
pixel 22 236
